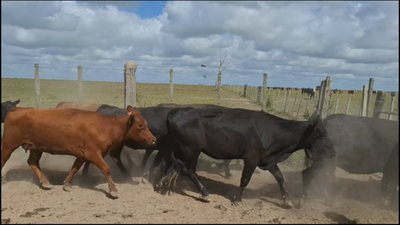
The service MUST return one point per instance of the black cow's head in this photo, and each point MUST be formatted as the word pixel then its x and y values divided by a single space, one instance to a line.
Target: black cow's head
pixel 7 106
pixel 319 145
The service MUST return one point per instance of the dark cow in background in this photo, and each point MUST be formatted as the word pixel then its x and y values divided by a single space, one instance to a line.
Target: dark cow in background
pixel 350 92
pixel 260 139
pixel 6 107
pixel 365 145
pixel 309 91
pixel 83 134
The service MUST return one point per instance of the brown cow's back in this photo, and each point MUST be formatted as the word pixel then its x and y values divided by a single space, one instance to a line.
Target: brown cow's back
pixel 60 127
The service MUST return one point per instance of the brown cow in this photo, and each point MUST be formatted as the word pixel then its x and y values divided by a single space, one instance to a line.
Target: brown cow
pixel 83 134
pixel 92 108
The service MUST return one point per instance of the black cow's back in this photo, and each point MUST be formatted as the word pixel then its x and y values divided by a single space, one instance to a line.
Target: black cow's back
pixel 363 144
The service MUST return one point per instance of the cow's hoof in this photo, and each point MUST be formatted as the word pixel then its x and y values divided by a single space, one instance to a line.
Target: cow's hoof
pixel 45 185
pixel 134 182
pixel 113 194
pixel 144 180
pixel 287 204
pixel 205 198
pixel 385 202
pixel 302 201
pixel 67 187
pixel 237 203
pixel 229 175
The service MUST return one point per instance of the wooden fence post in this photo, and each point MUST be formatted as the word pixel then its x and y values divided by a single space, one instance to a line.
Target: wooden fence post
pixel 130 83
pixel 259 91
pixel 171 86
pixel 273 95
pixel 283 100
pixel 245 91
pixel 295 99
pixel 301 99
pixel 364 101
pixel 379 102
pixel 325 98
pixel 219 88
pixel 319 101
pixel 264 98
pixel 348 105
pixel 80 91
pixel 37 86
pixel 336 106
pixel 287 100
pixel 370 89
pixel 393 94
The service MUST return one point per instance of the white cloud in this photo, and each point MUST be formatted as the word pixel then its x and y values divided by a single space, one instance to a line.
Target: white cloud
pixel 297 43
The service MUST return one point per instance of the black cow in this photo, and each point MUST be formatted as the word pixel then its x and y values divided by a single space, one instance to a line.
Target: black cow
pixel 225 163
pixel 155 117
pixel 309 91
pixel 6 106
pixel 260 139
pixel 365 145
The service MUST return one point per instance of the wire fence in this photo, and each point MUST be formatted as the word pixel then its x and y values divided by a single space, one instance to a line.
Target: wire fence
pixel 59 84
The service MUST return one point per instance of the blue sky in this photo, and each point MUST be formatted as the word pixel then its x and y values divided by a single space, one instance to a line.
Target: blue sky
pixel 149 9
pixel 297 43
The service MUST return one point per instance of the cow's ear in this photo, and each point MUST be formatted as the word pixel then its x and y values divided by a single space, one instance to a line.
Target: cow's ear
pixel 130 109
pixel 131 120
pixel 16 103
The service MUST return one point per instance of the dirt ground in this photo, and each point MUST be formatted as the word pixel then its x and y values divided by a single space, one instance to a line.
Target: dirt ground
pixel 22 201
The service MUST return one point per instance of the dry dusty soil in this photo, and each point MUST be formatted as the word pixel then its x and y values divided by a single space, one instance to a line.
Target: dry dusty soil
pixel 22 201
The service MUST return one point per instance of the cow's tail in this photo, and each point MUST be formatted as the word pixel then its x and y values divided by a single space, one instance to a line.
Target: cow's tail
pixel 168 182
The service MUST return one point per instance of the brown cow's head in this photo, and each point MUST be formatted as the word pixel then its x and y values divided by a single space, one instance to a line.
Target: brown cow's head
pixel 138 130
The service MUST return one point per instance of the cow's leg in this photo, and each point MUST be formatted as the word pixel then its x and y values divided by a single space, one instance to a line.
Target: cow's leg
pixel 191 156
pixel 33 161
pixel 166 163
pixel 327 172
pixel 307 175
pixel 145 158
pixel 75 168
pixel 225 163
pixel 389 185
pixel 115 154
pixel 156 162
pixel 228 173
pixel 85 170
pixel 277 173
pixel 248 170
pixel 98 160
pixel 131 164
pixel 6 149
pixel 307 160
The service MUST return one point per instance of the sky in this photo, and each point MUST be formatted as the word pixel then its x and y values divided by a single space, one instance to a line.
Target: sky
pixel 298 44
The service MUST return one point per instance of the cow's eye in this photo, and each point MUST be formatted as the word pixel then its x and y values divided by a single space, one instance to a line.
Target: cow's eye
pixel 140 126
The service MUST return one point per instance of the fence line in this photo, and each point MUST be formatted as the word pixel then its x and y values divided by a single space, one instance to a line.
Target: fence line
pixel 288 102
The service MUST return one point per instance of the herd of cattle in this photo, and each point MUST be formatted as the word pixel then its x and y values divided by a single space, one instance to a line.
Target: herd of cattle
pixel 359 145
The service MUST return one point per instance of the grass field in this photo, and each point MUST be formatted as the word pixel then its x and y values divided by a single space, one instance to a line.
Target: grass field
pixel 54 91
